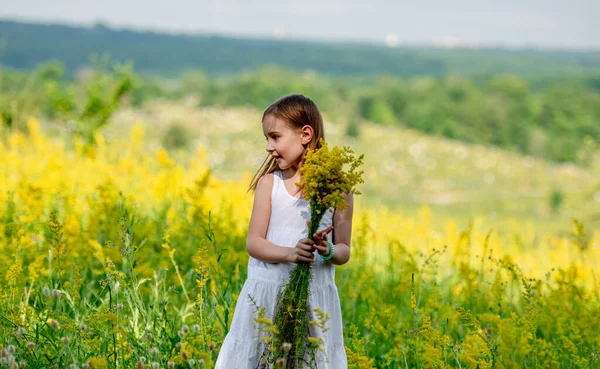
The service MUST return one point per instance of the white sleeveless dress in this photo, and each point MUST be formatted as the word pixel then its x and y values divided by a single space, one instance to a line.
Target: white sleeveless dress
pixel 242 347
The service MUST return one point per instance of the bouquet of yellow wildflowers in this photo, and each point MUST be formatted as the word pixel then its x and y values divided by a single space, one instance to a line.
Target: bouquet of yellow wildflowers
pixel 324 184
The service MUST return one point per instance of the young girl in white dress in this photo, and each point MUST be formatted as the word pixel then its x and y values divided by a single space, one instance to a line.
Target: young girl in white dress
pixel 277 239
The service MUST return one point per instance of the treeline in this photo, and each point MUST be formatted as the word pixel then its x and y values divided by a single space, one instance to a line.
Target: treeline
pixel 26 45
pixel 556 118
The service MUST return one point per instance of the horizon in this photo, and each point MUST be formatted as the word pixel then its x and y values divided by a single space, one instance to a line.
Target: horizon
pixel 449 45
pixel 466 24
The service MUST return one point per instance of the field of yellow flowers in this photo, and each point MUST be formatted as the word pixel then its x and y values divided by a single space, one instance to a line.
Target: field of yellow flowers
pixel 113 256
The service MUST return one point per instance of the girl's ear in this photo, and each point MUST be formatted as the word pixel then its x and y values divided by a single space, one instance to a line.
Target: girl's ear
pixel 306 134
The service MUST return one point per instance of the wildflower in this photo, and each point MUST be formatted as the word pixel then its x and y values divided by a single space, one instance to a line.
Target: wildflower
pixel 324 184
pixel 185 329
pixel 286 346
pixel 11 349
pixel 185 355
pixel 30 345
pixel 280 362
pixel 46 291
pixel 180 333
pixel 21 331
pixel 139 365
pixel 3 353
pixel 53 323
pixel 86 365
pixel 201 362
pixel 153 351
pixel 196 328
pixel 83 327
pixel 211 346
pixel 143 359
pixel 22 363
pixel 171 365
pixel 155 365
pixel 56 294
pixel 178 345
pixel 149 336
pixel 191 362
pixel 119 306
pixel 73 366
pixel 65 340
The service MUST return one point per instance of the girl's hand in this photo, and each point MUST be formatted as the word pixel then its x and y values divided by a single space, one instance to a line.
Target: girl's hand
pixel 303 251
pixel 321 243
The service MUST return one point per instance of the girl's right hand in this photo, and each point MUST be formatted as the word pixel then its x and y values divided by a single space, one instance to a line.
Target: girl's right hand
pixel 303 251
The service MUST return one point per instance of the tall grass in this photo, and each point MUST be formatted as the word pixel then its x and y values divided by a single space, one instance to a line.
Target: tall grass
pixel 118 257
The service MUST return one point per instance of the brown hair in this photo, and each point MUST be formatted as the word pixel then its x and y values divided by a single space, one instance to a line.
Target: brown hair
pixel 298 111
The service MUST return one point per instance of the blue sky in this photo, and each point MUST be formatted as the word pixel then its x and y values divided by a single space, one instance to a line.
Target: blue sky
pixel 510 23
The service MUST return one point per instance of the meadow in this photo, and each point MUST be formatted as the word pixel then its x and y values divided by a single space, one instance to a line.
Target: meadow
pixel 123 254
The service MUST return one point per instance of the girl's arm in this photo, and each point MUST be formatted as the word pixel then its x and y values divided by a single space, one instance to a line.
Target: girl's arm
pixel 256 243
pixel 342 230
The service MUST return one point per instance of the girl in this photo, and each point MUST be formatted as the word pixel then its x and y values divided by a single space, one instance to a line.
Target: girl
pixel 277 239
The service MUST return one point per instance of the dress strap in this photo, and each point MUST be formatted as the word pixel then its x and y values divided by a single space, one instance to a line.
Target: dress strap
pixel 276 183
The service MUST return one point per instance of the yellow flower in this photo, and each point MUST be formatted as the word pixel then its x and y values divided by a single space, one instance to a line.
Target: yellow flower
pixel 324 180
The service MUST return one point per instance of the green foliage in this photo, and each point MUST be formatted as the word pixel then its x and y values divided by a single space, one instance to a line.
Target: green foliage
pixel 83 107
pixel 353 129
pixel 176 137
pixel 552 117
pixel 557 198
pixel 30 44
pixel 103 95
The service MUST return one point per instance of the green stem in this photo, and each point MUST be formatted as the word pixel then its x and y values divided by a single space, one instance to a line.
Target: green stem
pixel 291 317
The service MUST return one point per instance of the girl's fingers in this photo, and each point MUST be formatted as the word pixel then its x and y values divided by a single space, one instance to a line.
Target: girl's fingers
pixel 307 254
pixel 323 233
pixel 303 246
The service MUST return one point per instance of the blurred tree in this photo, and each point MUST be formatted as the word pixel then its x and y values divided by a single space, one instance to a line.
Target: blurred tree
pixel 557 198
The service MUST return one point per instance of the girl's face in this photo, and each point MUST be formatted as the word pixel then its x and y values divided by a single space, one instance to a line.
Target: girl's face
pixel 286 143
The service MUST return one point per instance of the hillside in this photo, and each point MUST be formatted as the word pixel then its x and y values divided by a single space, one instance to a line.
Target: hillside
pixel 26 45
pixel 404 169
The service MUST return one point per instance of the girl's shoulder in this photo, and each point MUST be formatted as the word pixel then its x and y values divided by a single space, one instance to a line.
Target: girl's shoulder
pixel 265 182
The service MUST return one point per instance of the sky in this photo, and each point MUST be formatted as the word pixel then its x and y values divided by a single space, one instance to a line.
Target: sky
pixel 569 24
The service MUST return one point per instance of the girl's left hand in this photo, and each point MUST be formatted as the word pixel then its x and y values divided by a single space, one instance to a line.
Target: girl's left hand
pixel 321 244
